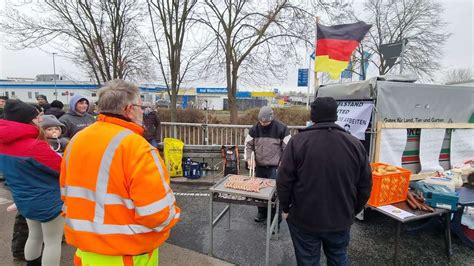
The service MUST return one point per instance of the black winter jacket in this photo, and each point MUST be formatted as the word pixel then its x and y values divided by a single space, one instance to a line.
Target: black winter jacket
pixel 152 126
pixel 324 178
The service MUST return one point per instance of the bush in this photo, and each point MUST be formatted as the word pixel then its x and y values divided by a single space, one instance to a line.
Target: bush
pixel 291 116
pixel 189 115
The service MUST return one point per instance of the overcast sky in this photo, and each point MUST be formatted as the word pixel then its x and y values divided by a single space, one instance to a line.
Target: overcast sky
pixel 458 52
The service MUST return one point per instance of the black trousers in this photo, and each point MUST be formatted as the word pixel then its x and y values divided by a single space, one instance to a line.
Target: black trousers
pixel 20 235
pixel 271 173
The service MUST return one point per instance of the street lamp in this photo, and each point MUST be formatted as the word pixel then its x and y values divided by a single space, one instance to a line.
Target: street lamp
pixel 54 77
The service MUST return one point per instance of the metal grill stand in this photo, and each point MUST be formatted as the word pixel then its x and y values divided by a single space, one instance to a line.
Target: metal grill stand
pixel 232 196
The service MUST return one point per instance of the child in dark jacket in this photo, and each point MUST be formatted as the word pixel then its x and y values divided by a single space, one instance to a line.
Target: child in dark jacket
pixel 52 131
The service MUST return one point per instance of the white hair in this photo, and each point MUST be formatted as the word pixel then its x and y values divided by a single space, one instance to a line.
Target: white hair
pixel 116 94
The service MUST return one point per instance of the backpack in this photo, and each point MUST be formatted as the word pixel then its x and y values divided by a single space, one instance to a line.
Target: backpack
pixel 230 155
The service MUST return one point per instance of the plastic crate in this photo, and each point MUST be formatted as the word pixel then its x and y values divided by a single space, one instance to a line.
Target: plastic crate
pixel 389 188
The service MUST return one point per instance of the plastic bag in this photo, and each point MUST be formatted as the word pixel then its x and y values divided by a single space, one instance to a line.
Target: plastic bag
pixel 173 153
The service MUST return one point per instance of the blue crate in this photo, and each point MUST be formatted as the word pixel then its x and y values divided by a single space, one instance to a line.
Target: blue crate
pixel 437 196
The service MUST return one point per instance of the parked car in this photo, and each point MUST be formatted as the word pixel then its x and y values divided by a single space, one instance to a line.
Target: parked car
pixel 163 103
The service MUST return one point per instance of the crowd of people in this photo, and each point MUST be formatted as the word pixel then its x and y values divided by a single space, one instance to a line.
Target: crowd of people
pixel 116 192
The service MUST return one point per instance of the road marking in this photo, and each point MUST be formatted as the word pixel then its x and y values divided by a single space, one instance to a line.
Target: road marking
pixel 192 194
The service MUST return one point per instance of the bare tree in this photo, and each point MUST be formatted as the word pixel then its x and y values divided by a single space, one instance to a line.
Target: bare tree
pixel 458 75
pixel 170 22
pixel 418 21
pixel 334 12
pixel 99 36
pixel 253 40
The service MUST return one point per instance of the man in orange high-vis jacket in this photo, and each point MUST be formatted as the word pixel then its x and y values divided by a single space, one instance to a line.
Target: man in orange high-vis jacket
pixel 118 204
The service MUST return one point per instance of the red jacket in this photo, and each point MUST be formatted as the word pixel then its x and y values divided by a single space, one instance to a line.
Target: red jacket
pixel 31 170
pixel 18 139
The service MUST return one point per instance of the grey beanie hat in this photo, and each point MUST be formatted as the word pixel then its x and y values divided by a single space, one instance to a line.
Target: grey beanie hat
pixel 265 114
pixel 50 121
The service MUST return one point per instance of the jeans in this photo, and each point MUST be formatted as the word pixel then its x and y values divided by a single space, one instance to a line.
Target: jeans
pixel 308 246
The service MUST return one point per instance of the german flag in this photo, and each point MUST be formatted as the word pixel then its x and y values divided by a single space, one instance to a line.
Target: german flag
pixel 335 44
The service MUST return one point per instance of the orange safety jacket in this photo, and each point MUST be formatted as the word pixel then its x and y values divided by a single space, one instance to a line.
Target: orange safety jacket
pixel 115 188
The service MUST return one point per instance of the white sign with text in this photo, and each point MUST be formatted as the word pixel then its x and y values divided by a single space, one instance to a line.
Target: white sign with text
pixel 431 141
pixel 354 116
pixel 392 145
pixel 462 146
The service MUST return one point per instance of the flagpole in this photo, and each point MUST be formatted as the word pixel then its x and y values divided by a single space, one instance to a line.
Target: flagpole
pixel 309 83
pixel 316 80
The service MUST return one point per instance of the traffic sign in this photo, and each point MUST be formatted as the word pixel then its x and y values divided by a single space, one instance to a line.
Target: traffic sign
pixel 302 77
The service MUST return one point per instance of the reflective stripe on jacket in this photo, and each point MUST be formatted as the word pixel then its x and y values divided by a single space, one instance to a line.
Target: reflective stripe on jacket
pixel 115 187
pixel 82 258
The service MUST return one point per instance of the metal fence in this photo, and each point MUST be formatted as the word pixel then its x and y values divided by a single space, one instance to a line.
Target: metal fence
pixel 210 134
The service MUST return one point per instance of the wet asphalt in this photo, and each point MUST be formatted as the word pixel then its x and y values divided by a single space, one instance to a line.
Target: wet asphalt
pixel 372 240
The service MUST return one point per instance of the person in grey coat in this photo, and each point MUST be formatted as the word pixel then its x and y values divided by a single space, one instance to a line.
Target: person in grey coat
pixel 267 139
pixel 77 117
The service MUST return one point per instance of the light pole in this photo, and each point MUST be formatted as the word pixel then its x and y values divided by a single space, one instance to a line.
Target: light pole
pixel 402 55
pixel 54 77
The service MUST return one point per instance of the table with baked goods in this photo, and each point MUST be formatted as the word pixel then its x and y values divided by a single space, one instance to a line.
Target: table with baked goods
pixel 391 197
pixel 259 192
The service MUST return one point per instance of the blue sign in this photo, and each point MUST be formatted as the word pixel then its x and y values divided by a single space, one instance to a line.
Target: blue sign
pixel 302 77
pixel 243 94
pixel 211 90
pixel 184 102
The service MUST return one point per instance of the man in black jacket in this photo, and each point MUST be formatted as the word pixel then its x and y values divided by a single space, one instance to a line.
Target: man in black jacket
pixel 323 181
pixel 42 101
